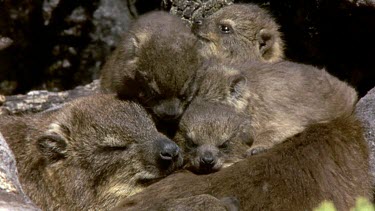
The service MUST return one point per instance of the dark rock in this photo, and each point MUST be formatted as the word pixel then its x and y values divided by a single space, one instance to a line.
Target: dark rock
pixel 365 110
pixel 58 44
pixel 191 10
pixel 12 196
pixel 41 100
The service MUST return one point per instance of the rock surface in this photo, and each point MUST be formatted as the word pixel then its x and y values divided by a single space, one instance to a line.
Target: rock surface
pixel 366 112
pixel 41 100
pixel 191 10
pixel 12 196
pixel 57 44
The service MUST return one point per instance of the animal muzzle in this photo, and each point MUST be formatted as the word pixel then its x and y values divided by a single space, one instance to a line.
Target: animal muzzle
pixel 168 109
pixel 168 154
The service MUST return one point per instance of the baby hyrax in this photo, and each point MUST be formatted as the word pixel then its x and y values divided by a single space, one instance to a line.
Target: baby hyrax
pixel 240 32
pixel 212 136
pixel 282 98
pixel 327 161
pixel 88 154
pixel 155 64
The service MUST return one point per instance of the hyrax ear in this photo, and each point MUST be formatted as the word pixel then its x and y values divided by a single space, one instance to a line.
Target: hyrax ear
pixel 266 40
pixel 52 145
pixel 131 87
pixel 237 86
pixel 137 40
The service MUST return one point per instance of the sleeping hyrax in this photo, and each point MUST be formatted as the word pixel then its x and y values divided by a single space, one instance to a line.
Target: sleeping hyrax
pixel 240 32
pixel 212 136
pixel 88 154
pixel 155 64
pixel 327 161
pixel 282 98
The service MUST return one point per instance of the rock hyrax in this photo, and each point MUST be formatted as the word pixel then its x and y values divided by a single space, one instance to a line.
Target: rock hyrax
pixel 155 64
pixel 282 98
pixel 240 32
pixel 327 161
pixel 212 136
pixel 89 153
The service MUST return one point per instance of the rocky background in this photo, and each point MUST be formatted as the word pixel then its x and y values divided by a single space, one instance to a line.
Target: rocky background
pixel 59 46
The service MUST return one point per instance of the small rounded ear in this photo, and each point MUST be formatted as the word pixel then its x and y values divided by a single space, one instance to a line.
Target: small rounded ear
pixel 237 86
pixel 266 40
pixel 53 147
pixel 137 40
pixel 130 88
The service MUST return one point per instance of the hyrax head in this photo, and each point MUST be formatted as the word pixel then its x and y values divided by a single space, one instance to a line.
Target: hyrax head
pixel 101 149
pixel 212 136
pixel 225 84
pixel 160 67
pixel 240 32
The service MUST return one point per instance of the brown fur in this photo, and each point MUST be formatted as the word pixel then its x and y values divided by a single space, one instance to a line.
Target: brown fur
pixel 203 202
pixel 88 154
pixel 240 32
pixel 155 64
pixel 327 161
pixel 282 98
pixel 212 136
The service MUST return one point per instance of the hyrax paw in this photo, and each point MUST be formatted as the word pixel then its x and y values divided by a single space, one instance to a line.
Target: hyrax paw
pixel 255 151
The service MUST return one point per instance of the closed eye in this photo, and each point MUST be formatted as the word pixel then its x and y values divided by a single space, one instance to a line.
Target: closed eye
pixel 105 149
pixel 224 145
pixel 190 143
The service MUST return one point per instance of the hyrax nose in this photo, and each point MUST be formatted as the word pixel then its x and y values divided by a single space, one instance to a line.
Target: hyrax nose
pixel 207 160
pixel 168 110
pixel 198 21
pixel 197 24
pixel 168 149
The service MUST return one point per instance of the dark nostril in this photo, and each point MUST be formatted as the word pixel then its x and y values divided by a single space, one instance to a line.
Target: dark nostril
pixel 198 22
pixel 166 156
pixel 207 160
pixel 170 116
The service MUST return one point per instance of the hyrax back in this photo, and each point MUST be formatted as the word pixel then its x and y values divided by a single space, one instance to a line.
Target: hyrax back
pixel 282 98
pixel 155 64
pixel 212 136
pixel 327 161
pixel 88 154
pixel 240 32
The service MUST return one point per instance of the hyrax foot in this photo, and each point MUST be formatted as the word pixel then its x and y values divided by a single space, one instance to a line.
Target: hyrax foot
pixel 256 150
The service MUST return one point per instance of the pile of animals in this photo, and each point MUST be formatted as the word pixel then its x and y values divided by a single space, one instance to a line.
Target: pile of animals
pixel 216 101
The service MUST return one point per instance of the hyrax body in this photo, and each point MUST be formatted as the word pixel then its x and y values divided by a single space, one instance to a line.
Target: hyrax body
pixel 240 32
pixel 212 136
pixel 327 161
pixel 282 98
pixel 88 154
pixel 155 64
